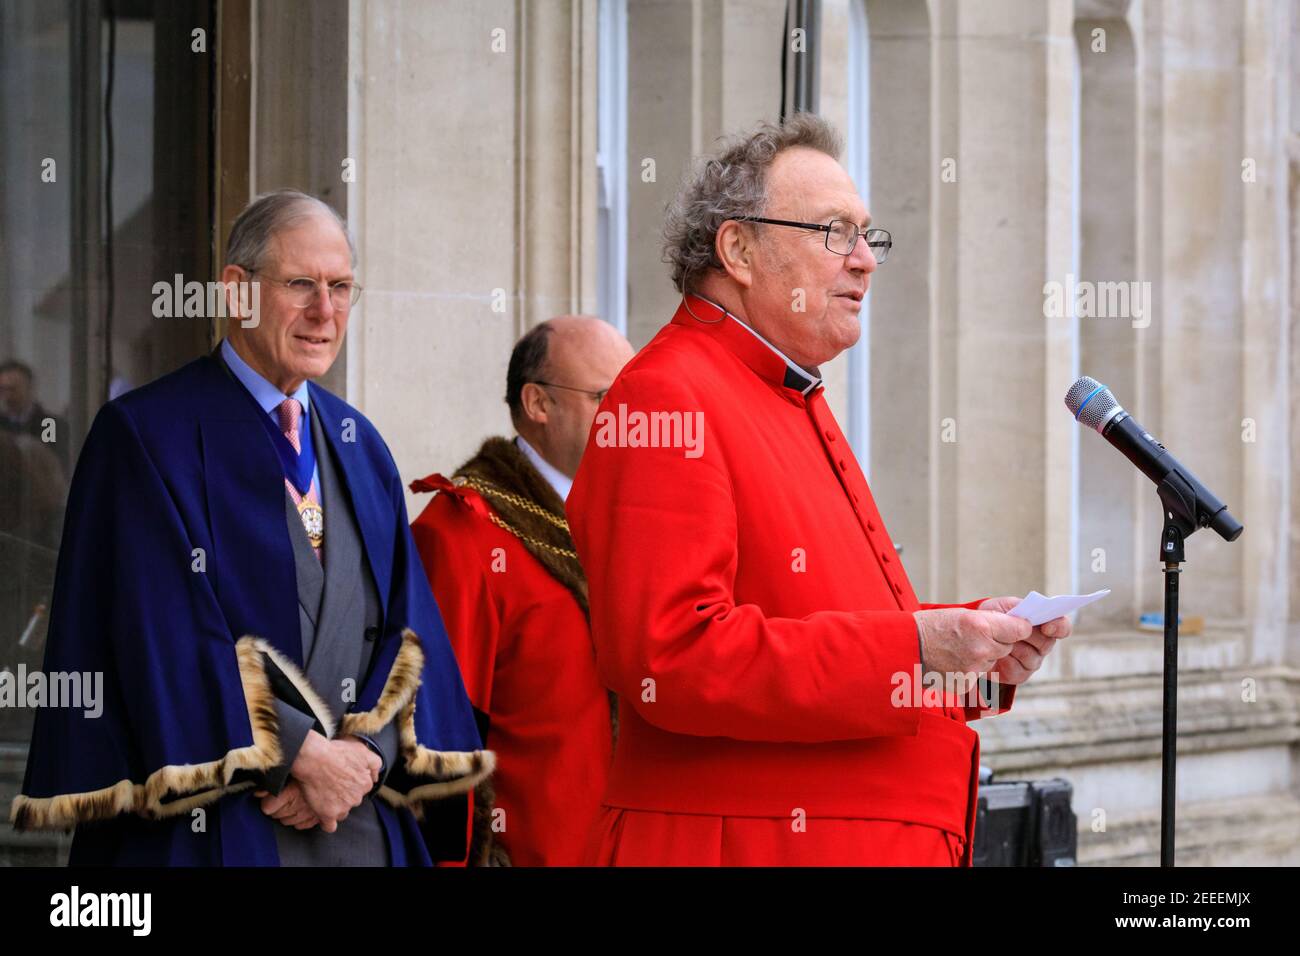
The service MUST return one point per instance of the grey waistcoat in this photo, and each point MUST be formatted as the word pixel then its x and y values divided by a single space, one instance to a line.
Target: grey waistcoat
pixel 339 611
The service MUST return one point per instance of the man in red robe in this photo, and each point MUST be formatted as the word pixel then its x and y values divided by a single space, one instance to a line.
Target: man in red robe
pixel 496 547
pixel 747 604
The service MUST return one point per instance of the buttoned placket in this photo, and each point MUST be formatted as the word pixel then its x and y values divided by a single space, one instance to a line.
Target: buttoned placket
pixel 838 452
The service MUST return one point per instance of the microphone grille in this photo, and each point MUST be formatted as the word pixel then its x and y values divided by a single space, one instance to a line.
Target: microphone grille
pixel 1091 403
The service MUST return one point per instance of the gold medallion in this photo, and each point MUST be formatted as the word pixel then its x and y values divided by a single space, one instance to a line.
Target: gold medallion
pixel 313 521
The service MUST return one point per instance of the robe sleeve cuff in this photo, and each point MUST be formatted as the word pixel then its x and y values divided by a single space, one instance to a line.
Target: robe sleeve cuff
pixel 266 677
pixel 971 605
pixel 294 728
pixel 178 788
pixel 1006 693
pixel 419 773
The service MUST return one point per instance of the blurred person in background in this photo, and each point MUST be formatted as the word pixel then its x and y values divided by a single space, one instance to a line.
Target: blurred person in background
pixel 496 546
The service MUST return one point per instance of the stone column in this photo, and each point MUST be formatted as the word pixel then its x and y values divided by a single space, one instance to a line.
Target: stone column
pixel 1200 330
pixel 1266 414
pixel 1293 337
pixel 1002 501
pixel 474 206
pixel 298 138
pixel 697 70
pixel 1110 338
pixel 904 176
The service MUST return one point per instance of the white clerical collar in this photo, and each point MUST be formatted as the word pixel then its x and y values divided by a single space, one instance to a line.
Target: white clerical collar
pixel 554 477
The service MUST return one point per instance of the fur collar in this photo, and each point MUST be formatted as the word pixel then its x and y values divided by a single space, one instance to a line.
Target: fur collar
pixel 530 508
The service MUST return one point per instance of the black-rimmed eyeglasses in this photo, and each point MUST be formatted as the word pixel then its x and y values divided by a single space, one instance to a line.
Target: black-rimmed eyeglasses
pixel 841 235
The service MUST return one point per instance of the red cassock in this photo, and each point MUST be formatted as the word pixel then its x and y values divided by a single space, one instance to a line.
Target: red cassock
pixel 525 653
pixel 750 611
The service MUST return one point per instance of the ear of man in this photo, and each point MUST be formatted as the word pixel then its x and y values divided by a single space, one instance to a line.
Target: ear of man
pixel 534 402
pixel 231 277
pixel 735 245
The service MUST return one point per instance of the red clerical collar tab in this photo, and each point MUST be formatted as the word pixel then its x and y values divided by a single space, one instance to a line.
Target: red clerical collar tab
pixel 751 348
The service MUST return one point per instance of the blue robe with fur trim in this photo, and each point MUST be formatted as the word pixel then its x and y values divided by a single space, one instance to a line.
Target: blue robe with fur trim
pixel 176 580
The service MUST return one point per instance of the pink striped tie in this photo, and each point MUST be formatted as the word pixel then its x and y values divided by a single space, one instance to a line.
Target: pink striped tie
pixel 309 508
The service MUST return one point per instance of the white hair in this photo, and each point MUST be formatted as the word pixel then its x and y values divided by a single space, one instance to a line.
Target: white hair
pixel 256 226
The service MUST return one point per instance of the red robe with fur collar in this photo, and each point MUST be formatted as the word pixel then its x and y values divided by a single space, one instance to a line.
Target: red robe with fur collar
pixel 525 654
pixel 751 613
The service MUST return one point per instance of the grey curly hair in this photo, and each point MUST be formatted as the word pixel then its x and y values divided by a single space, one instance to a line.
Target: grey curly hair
pixel 731 184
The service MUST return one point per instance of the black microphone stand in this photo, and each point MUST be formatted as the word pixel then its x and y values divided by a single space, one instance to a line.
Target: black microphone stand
pixel 1178 504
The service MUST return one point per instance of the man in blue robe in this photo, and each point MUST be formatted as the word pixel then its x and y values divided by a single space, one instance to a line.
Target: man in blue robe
pixel 237 564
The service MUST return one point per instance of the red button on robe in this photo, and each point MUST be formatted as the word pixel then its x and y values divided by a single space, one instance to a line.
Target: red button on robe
pixel 525 653
pixel 749 609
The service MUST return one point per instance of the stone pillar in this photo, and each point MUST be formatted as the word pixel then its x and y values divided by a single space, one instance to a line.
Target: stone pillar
pixel 904 175
pixel 1263 180
pixel 1200 327
pixel 1293 336
pixel 1002 505
pixel 300 118
pixel 697 70
pixel 1110 498
pixel 835 63
pixel 474 206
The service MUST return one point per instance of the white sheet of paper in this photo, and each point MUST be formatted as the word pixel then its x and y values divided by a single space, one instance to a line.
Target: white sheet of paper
pixel 1037 609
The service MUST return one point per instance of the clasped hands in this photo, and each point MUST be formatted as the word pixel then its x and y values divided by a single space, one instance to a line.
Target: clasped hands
pixel 329 778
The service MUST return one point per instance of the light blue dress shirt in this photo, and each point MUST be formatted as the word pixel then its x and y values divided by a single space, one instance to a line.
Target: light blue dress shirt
pixel 268 397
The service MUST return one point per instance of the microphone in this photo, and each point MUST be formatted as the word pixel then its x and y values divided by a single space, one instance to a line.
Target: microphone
pixel 1092 404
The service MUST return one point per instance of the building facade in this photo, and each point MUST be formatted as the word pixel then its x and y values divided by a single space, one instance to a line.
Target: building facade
pixel 1100 187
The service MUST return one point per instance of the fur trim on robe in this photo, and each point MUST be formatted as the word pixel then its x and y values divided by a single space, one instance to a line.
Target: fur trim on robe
pixel 176 789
